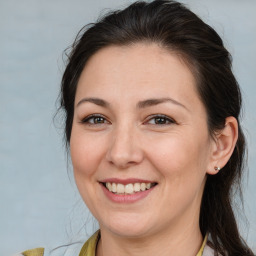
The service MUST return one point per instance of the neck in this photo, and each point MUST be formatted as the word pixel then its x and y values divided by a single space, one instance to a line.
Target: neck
pixel 183 239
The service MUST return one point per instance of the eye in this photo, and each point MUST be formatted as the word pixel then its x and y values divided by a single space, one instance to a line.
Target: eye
pixel 95 119
pixel 160 120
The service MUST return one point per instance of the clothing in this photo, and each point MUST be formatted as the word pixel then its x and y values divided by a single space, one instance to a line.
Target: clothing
pixel 89 248
pixel 34 252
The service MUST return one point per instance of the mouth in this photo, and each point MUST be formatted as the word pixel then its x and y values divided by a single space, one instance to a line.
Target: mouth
pixel 127 189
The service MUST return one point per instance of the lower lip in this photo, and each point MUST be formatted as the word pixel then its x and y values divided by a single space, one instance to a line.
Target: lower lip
pixel 126 198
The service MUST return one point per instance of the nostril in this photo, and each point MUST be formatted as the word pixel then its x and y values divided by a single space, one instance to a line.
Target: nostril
pixel 124 158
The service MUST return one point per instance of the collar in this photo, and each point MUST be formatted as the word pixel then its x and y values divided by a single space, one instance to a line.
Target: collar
pixel 89 248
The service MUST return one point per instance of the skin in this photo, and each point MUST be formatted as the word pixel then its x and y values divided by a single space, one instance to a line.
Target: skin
pixel 129 143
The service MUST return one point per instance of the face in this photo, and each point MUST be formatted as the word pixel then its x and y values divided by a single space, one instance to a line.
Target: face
pixel 139 145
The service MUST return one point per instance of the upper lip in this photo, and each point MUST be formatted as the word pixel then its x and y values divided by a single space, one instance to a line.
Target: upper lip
pixel 126 181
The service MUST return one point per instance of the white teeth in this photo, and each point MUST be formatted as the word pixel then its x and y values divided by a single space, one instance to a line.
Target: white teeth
pixel 130 188
pixel 109 186
pixel 120 188
pixel 113 187
pixel 136 187
pixel 143 186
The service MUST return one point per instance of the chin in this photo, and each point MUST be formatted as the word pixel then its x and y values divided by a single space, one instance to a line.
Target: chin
pixel 128 226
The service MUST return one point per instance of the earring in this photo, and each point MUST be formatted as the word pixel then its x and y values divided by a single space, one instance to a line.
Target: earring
pixel 217 168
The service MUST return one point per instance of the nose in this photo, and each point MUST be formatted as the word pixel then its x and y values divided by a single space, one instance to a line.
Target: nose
pixel 125 149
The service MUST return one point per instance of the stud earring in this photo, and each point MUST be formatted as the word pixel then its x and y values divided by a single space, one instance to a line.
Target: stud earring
pixel 217 168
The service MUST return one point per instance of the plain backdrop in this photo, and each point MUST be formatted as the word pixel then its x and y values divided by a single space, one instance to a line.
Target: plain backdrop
pixel 39 203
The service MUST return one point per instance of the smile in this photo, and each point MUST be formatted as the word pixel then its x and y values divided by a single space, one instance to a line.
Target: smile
pixel 131 188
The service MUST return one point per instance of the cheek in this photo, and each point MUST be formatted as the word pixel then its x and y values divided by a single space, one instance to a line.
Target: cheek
pixel 181 164
pixel 85 153
pixel 180 158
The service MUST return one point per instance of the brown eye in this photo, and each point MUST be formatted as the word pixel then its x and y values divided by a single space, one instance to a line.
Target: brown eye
pixel 98 120
pixel 94 119
pixel 160 120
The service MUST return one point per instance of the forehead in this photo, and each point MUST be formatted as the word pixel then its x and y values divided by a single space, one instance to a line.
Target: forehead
pixel 139 70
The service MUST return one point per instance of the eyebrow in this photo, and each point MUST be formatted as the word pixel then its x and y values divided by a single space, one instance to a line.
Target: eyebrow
pixel 153 102
pixel 96 101
pixel 140 104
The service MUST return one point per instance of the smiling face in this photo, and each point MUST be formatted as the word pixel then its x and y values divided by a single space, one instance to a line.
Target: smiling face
pixel 139 144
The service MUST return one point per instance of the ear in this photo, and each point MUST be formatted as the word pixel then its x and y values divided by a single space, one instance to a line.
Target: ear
pixel 223 145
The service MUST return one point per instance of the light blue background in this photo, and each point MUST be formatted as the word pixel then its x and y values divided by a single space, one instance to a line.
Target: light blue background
pixel 39 201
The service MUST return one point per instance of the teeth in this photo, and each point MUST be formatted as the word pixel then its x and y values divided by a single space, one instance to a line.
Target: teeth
pixel 136 187
pixel 120 188
pixel 109 186
pixel 143 186
pixel 113 187
pixel 129 188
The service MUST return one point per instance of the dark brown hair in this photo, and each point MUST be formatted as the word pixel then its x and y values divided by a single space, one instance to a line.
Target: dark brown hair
pixel 171 25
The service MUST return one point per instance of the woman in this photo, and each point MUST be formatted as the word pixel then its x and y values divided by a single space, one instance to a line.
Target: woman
pixel 152 124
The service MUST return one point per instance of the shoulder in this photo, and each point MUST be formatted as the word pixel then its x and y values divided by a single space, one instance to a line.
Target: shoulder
pixel 33 252
pixel 89 248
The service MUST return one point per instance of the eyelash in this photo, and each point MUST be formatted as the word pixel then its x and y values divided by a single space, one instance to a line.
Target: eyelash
pixel 93 117
pixel 163 118
pixel 166 119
